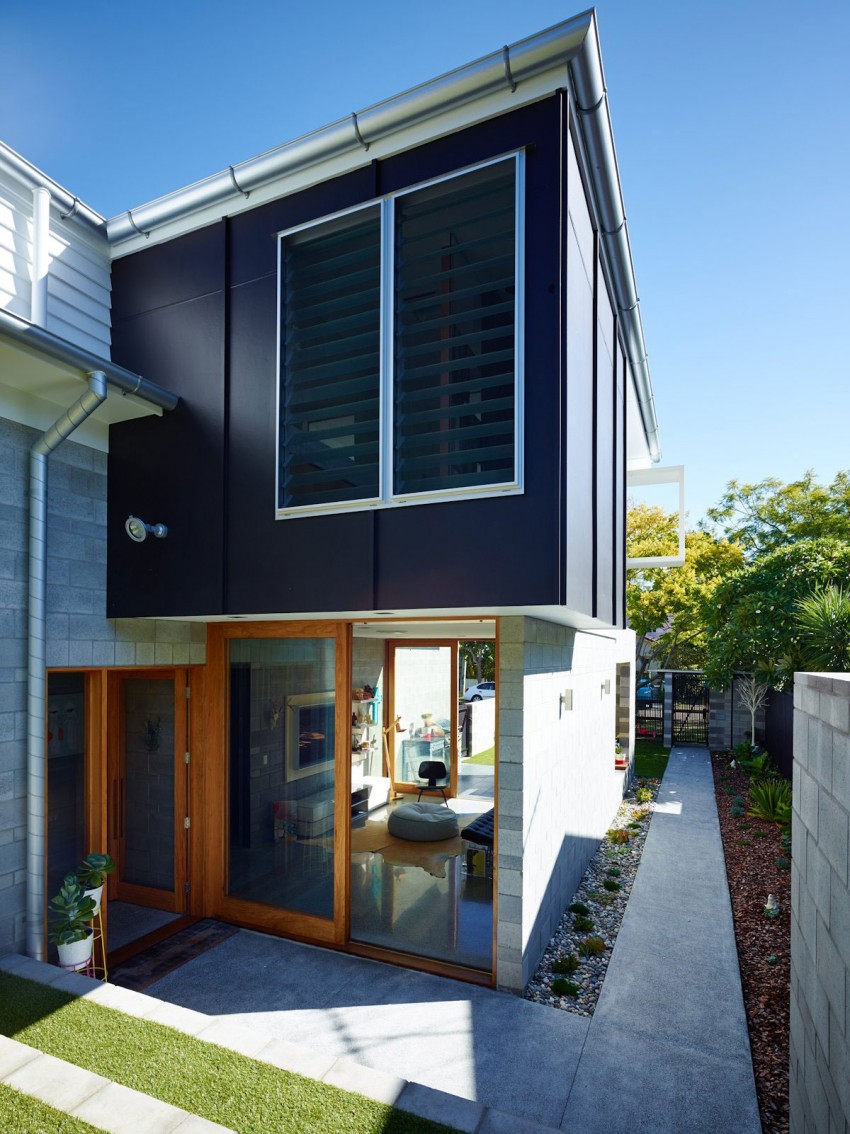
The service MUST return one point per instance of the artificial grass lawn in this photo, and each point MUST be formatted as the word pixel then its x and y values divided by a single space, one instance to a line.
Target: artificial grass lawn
pixel 20 1114
pixel 488 756
pixel 244 1094
pixel 650 759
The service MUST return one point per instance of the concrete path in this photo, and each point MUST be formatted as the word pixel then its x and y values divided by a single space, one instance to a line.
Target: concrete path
pixel 667 1048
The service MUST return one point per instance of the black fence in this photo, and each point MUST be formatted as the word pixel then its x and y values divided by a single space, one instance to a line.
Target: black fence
pixel 649 717
pixel 779 731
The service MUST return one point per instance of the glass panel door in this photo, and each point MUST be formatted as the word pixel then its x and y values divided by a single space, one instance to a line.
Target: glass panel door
pixel 281 786
pixel 149 791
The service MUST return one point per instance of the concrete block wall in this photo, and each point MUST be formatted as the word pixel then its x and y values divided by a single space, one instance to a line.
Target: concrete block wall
pixel 78 633
pixel 558 790
pixel 820 906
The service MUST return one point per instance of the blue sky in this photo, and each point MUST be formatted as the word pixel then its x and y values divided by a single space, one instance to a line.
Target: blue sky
pixel 732 124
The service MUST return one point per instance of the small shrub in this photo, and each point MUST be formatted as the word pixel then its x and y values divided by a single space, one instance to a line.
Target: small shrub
pixel 613 871
pixel 611 886
pixel 783 863
pixel 744 842
pixel 578 907
pixel 729 790
pixel 618 836
pixel 582 924
pixel 759 767
pixel 759 834
pixel 771 800
pixel 633 826
pixel 771 960
pixel 591 946
pixel 567 964
pixel 785 840
pixel 736 811
pixel 644 813
pixel 563 987
pixel 738 801
pixel 600 897
pixel 743 751
pixel 643 795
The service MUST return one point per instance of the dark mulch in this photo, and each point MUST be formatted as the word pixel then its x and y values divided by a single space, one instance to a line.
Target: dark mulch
pixel 751 847
pixel 140 971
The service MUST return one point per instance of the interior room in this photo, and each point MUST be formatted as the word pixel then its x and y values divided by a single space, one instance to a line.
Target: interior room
pixel 415 740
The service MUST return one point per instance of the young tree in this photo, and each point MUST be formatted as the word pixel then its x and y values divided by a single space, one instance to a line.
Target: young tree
pixel 752 621
pixel 674 601
pixel 753 695
pixel 765 516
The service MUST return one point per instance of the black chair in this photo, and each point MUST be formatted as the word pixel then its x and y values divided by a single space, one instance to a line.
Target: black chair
pixel 433 770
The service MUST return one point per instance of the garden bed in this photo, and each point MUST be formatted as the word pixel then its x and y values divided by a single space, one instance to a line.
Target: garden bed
pixel 571 971
pixel 755 867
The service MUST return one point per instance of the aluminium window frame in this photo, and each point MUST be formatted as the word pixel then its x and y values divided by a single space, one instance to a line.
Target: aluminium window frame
pixel 386 425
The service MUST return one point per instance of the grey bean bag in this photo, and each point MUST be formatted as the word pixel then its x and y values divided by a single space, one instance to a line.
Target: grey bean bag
pixel 422 822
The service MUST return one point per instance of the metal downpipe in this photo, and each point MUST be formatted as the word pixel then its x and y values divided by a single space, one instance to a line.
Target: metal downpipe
pixel 36 685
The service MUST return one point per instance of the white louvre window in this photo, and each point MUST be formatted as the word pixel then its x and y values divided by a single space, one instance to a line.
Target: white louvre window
pixel 399 357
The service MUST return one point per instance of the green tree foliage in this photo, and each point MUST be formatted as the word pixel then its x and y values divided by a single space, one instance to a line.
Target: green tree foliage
pixel 752 620
pixel 675 600
pixel 765 516
pixel 480 658
pixel 823 621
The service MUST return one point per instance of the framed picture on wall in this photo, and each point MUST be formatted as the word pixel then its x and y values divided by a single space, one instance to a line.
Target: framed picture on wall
pixel 310 734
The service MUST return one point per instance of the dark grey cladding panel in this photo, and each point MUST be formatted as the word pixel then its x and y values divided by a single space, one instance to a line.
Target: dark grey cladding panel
pixel 170 469
pixel 253 234
pixel 184 268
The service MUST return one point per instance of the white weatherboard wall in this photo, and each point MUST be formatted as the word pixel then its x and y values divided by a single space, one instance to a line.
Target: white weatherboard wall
pixel 78 633
pixel 79 286
pixel 558 790
pixel 820 906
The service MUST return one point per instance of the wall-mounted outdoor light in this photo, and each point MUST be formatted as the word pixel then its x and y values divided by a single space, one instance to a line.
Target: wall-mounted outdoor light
pixel 567 701
pixel 138 530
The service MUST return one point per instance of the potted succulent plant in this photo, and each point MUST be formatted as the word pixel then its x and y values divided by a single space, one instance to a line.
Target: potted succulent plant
pixel 71 912
pixel 91 874
pixel 621 756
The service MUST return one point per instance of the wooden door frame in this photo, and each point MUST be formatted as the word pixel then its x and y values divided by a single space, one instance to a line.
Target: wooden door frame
pixel 213 807
pixel 173 901
pixel 404 786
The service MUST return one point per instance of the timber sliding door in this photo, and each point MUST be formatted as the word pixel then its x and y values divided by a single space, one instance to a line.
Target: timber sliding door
pixel 280 842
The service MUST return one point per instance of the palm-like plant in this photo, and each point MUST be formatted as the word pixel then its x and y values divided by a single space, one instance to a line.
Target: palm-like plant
pixel 823 619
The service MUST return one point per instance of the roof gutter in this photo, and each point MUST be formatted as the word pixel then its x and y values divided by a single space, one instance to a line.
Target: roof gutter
pixel 37 341
pixel 573 45
pixel 594 121
pixel 69 206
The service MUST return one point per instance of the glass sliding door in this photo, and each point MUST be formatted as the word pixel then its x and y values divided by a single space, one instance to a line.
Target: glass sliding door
pixel 281 787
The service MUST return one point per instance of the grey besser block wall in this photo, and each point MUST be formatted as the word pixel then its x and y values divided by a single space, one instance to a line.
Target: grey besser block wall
pixel 820 906
pixel 558 790
pixel 78 633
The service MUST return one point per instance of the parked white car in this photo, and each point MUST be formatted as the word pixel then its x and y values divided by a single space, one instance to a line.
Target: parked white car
pixel 480 691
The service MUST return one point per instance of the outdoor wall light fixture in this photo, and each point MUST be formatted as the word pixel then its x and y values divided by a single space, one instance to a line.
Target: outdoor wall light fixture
pixel 138 530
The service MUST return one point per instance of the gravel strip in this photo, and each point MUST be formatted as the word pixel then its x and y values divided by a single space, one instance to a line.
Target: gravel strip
pixel 614 864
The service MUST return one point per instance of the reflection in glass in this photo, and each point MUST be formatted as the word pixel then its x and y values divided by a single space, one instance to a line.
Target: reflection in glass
pixel 282 744
pixel 65 776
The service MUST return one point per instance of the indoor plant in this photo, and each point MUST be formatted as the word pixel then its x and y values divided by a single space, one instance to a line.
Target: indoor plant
pixel 91 873
pixel 71 912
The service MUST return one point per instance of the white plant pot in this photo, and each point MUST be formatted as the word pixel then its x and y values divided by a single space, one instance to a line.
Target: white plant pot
pixel 77 954
pixel 96 894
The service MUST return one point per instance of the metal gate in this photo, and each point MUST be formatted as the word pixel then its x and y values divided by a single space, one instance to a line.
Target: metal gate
pixel 690 708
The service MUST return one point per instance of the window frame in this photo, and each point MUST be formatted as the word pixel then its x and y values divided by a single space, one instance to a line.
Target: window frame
pixel 386 425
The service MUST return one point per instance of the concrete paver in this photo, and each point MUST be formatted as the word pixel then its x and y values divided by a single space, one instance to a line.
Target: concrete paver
pixel 666 1050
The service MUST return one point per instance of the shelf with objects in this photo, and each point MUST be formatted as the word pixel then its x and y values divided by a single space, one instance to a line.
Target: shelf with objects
pixel 370 786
